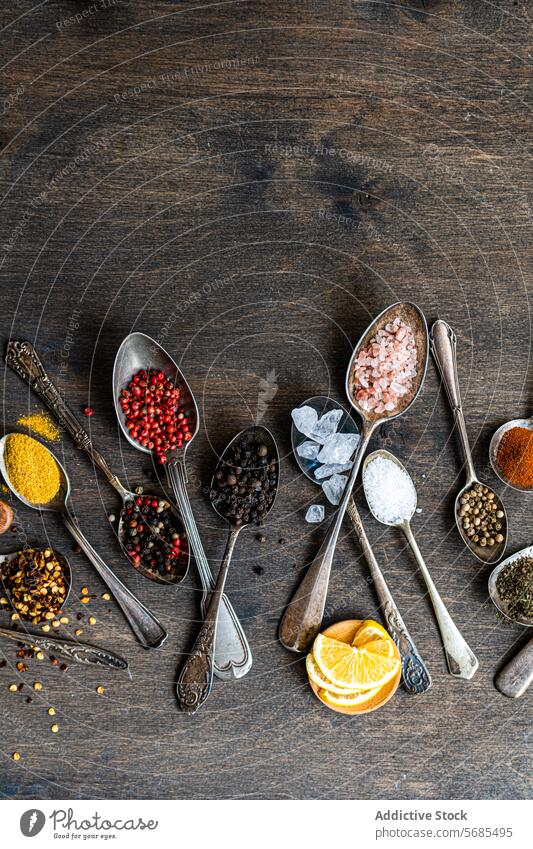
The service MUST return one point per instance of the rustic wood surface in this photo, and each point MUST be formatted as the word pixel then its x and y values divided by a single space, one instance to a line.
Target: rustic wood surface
pixel 250 183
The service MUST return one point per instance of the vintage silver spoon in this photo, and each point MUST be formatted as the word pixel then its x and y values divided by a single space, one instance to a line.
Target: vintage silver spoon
pixel 301 621
pixel 443 342
pixel 71 649
pixel 24 360
pixel 5 559
pixel 462 663
pixel 196 677
pixel 148 631
pixel 495 445
pixel 516 676
pixel 233 657
pixel 415 676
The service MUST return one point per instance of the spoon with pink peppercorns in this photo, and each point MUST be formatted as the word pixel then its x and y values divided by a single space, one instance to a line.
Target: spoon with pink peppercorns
pixel 384 377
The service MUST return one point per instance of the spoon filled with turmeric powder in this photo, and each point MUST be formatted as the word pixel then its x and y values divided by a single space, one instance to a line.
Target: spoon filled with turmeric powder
pixel 37 478
pixel 511 454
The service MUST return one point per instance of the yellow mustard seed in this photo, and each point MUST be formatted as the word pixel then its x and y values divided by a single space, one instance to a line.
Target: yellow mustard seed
pixel 42 425
pixel 32 469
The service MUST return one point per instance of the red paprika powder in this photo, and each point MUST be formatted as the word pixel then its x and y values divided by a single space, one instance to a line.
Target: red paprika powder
pixel 515 456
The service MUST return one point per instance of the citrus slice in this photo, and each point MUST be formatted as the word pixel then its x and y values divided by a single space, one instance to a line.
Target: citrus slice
pixel 351 700
pixel 368 631
pixel 316 676
pixel 355 668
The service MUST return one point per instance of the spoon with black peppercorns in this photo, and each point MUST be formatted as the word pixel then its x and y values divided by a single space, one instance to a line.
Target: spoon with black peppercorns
pixel 243 491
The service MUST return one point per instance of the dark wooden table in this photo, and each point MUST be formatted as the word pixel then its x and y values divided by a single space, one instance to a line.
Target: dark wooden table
pixel 250 183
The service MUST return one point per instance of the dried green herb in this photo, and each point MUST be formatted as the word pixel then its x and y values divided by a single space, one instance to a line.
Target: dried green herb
pixel 515 587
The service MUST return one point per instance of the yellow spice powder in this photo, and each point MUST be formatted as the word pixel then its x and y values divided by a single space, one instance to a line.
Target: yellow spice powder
pixel 32 470
pixel 42 425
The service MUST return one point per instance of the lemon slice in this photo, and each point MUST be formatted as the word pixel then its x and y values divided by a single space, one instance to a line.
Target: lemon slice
pixel 355 668
pixel 316 676
pixel 334 698
pixel 369 631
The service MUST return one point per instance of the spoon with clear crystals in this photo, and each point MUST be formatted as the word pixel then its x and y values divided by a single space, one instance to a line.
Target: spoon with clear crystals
pixel 462 663
pixel 415 676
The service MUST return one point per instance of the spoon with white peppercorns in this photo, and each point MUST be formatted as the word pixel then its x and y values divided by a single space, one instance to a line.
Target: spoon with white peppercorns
pixel 243 491
pixel 479 513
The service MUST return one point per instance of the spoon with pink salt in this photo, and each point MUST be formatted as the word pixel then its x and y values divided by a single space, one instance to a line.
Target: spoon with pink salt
pixel 384 377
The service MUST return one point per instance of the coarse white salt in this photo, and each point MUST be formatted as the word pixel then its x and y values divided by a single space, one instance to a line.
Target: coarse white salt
pixel 389 490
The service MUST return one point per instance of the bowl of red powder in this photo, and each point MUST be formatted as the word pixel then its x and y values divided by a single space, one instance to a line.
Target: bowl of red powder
pixel 511 454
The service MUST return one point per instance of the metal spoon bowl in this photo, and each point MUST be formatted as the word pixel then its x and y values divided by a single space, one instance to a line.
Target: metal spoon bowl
pixel 493 586
pixel 149 632
pixel 495 445
pixel 416 678
pixel 303 616
pixel 462 663
pixel 6 559
pixel 487 554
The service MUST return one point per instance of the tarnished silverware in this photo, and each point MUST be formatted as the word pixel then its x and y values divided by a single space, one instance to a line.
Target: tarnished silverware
pixel 301 621
pixel 415 676
pixel 24 360
pixel 233 657
pixel 495 444
pixel 461 660
pixel 443 343
pixel 148 631
pixel 78 652
pixel 196 677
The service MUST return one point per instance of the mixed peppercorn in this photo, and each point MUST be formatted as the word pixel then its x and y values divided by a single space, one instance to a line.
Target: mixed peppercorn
pixel 36 585
pixel 151 538
pixel 154 417
pixel 245 482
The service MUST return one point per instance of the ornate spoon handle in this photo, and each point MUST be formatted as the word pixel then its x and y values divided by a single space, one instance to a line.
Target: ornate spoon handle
pixel 196 677
pixel 415 676
pixel 24 360
pixel 78 652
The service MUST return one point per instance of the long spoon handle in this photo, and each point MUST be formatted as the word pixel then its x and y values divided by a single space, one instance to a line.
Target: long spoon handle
pixel 196 677
pixel 302 619
pixel 514 679
pixel 24 360
pixel 443 344
pixel 233 657
pixel 415 676
pixel 78 652
pixel 461 660
pixel 149 632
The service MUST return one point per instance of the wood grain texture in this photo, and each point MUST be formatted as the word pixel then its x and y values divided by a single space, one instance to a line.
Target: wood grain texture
pixel 251 183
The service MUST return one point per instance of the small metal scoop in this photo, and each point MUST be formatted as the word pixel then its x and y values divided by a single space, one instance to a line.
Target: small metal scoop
pixel 415 676
pixel 443 343
pixel 302 619
pixel 139 351
pixel 461 660
pixel 516 676
pixel 6 559
pixel 495 445
pixel 196 677
pixel 149 632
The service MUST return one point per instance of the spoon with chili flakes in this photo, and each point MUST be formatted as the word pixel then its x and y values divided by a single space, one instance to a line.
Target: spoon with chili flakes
pixel 150 549
pixel 36 582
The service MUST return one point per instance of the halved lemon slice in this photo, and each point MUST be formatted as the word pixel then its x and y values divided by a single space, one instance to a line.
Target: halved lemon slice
pixel 351 700
pixel 316 676
pixel 368 631
pixel 355 668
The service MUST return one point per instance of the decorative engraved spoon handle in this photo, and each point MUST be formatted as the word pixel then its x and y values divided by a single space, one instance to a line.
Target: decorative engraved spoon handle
pixel 78 652
pixel 196 677
pixel 514 679
pixel 24 360
pixel 461 660
pixel 149 632
pixel 233 657
pixel 415 676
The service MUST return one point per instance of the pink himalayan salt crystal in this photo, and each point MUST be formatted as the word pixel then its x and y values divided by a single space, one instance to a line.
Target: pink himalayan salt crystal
pixel 383 372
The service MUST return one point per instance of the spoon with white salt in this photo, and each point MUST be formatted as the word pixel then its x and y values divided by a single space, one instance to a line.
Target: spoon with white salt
pixel 415 676
pixel 391 496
